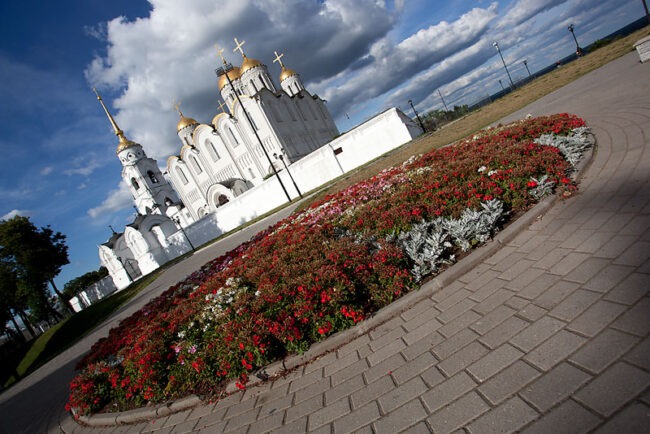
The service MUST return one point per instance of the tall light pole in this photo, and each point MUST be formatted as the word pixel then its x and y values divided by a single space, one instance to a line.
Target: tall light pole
pixel 526 65
pixel 177 219
pixel 579 50
pixel 223 70
pixel 281 158
pixel 417 116
pixel 501 83
pixel 443 100
pixel 512 85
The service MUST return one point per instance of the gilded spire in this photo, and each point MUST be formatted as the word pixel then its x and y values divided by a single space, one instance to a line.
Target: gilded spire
pixel 124 142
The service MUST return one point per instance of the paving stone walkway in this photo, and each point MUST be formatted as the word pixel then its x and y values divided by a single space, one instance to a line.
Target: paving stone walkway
pixel 548 335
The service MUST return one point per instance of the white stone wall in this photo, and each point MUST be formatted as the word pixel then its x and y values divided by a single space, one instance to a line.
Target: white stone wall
pixel 94 292
pixel 368 141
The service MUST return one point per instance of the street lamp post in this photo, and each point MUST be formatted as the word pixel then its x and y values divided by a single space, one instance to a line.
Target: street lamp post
pixel 501 83
pixel 512 85
pixel 281 158
pixel 443 100
pixel 579 51
pixel 526 65
pixel 227 67
pixel 417 116
pixel 178 222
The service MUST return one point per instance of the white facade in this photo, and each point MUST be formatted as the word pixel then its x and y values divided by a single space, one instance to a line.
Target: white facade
pixel 143 246
pixel 373 138
pixel 221 173
pixel 219 161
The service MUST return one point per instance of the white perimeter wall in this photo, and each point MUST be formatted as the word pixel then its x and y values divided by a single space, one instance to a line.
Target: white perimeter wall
pixel 366 142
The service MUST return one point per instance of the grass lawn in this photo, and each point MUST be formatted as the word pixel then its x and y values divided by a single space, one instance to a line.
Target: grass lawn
pixel 66 333
pixel 69 331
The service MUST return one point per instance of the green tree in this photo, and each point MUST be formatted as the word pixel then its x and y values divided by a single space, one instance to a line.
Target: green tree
pixel 9 304
pixel 35 256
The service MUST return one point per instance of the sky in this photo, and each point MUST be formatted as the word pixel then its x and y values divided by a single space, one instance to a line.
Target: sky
pixel 362 56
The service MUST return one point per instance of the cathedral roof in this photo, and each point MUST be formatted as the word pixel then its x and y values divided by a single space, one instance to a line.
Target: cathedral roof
pixel 286 73
pixel 185 122
pixel 233 74
pixel 124 143
pixel 137 221
pixel 112 240
pixel 247 64
pixel 170 159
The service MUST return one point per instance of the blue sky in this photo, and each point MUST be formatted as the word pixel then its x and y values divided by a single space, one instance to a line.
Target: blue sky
pixel 59 165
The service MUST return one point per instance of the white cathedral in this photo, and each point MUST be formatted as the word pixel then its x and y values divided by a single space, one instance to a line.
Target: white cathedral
pixel 216 163
pixel 220 160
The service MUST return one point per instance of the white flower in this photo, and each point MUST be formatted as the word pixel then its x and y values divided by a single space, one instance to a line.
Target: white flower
pixel 482 169
pixel 492 172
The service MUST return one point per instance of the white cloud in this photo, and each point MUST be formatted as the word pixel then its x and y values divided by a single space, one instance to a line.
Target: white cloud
pixel 161 59
pixel 524 10
pixel 46 170
pixel 85 166
pixel 118 199
pixel 16 212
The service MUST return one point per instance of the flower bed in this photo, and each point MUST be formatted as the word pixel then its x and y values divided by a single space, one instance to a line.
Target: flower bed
pixel 324 269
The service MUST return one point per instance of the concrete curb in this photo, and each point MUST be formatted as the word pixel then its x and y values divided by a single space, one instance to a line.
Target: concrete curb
pixel 341 338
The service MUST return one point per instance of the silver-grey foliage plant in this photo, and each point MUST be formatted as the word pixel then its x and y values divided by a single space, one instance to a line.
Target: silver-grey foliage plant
pixel 572 146
pixel 429 244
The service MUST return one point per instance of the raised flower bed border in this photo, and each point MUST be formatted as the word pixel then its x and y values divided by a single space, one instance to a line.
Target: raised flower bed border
pixel 335 341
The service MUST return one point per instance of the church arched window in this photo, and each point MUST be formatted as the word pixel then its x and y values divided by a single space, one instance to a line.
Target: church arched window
pixel 212 149
pixel 135 184
pixel 253 86
pixel 196 165
pixel 182 176
pixel 235 142
pixel 253 122
pixel 262 81
pixel 152 177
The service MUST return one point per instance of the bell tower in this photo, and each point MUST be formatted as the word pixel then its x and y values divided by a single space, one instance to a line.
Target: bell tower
pixel 151 192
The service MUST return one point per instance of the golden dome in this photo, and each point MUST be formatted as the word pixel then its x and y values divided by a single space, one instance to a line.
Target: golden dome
pixel 247 64
pixel 233 74
pixel 124 143
pixel 286 73
pixel 185 122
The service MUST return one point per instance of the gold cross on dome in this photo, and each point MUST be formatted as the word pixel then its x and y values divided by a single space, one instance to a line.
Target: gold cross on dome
pixel 221 106
pixel 177 106
pixel 278 58
pixel 239 47
pixel 220 54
